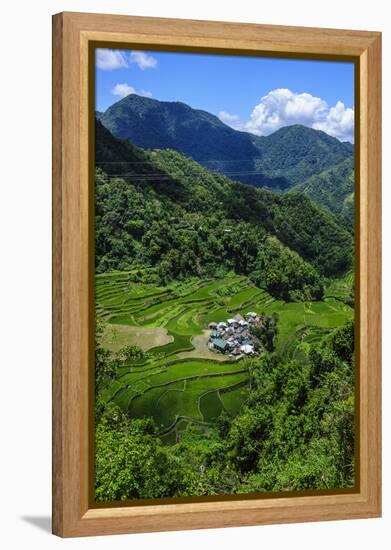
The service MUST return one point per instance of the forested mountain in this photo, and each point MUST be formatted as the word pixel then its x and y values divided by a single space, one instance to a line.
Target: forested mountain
pixel 280 160
pixel 162 209
pixel 333 189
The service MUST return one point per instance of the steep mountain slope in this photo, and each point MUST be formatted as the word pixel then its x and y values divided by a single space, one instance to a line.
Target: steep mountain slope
pixel 278 161
pixel 164 208
pixel 297 152
pixel 333 189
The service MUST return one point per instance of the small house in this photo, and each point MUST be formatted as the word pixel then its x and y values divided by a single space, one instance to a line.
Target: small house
pixel 247 349
pixel 238 318
pixel 247 342
pixel 220 344
pixel 251 315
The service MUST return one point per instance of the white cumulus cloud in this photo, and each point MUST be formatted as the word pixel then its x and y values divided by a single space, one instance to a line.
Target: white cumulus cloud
pixel 230 119
pixel 108 60
pixel 282 107
pixel 143 60
pixel 145 93
pixel 339 123
pixel 124 89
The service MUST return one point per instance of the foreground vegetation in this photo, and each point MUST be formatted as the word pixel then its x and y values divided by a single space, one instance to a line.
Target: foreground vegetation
pixel 293 430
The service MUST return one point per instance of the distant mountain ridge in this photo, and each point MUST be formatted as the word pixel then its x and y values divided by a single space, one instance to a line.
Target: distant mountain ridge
pixel 288 156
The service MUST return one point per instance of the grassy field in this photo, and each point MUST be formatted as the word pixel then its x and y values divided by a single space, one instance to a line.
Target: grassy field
pixel 115 337
pixel 179 382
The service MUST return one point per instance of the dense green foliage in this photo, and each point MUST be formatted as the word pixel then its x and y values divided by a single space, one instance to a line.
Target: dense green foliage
pixel 294 153
pixel 165 210
pixel 286 157
pixel 295 432
pixel 298 223
pixel 334 190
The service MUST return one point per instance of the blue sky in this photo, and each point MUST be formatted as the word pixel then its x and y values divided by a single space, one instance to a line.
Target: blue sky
pixel 258 95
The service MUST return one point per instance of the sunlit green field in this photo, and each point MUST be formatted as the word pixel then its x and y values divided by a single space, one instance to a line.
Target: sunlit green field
pixel 172 385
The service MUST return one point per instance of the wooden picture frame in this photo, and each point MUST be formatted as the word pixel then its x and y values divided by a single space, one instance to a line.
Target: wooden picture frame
pixel 73 513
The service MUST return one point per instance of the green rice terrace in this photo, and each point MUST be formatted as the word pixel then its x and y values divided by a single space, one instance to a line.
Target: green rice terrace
pixel 179 380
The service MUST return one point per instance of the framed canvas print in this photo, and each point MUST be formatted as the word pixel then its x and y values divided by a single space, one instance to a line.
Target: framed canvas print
pixel 216 295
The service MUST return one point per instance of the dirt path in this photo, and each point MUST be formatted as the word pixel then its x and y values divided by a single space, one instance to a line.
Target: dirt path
pixel 201 350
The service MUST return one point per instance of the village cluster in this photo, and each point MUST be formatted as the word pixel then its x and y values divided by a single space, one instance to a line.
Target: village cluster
pixel 235 337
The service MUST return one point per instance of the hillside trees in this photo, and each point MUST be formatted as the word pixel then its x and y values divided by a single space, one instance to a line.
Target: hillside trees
pixel 333 189
pixel 137 226
pixel 131 463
